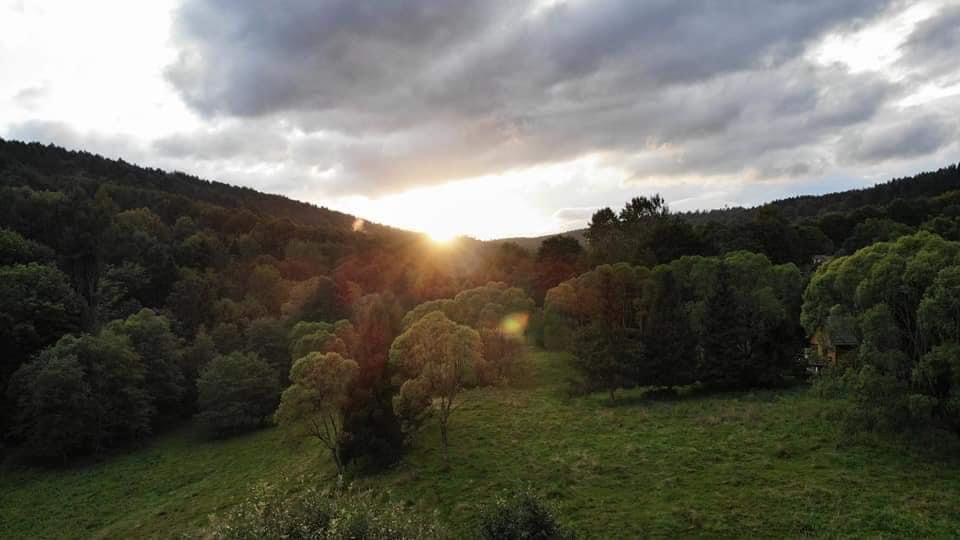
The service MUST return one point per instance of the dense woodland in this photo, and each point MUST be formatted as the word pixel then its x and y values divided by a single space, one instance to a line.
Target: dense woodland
pixel 134 300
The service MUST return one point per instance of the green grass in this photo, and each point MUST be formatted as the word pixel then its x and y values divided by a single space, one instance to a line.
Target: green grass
pixel 761 464
pixel 161 491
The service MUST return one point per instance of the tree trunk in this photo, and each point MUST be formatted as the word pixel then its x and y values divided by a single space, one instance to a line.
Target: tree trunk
pixel 444 442
pixel 336 460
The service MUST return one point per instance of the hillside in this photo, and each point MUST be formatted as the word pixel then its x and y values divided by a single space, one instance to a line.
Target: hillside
pixel 50 167
pixel 764 463
pixel 532 243
pixel 805 207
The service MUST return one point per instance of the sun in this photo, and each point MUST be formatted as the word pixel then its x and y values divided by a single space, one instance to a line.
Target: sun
pixel 442 236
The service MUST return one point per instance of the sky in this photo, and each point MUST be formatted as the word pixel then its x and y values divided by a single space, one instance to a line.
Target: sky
pixel 493 118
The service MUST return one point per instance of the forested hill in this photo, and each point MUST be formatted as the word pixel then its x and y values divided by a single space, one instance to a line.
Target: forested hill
pixel 52 168
pixel 925 184
pixel 901 195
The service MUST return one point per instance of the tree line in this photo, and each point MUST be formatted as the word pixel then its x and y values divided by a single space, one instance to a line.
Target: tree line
pixel 142 298
pixel 727 322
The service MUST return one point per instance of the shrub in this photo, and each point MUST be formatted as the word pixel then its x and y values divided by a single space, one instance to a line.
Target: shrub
pixel 522 515
pixel 321 514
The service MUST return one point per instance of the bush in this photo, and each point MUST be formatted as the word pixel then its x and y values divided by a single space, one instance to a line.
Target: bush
pixel 321 514
pixel 523 515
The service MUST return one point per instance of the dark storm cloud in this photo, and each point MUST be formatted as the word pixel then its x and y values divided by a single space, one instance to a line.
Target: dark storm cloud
pixel 387 95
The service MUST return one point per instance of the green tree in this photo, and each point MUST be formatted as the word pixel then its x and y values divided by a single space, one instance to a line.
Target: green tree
pixel 309 337
pixel 100 374
pixel 37 307
pixel 195 356
pixel 160 350
pixel 267 338
pixel 118 292
pixel 315 401
pixel 229 337
pixel 53 405
pixel 190 301
pixel 236 392
pixel 266 285
pixel 605 357
pixel 15 249
pixel 901 298
pixel 434 360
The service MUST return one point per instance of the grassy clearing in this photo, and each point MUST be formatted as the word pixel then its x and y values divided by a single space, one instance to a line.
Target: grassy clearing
pixel 762 464
pixel 161 491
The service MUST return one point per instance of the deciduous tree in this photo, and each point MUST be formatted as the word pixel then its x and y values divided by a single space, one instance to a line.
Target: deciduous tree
pixel 434 360
pixel 314 403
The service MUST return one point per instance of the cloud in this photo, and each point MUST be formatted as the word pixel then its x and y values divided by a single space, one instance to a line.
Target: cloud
pixel 913 137
pixel 930 52
pixel 575 214
pixel 249 141
pixel 383 97
pixel 116 146
pixel 30 97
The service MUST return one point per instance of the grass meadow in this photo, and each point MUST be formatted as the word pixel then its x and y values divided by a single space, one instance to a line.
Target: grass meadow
pixel 758 464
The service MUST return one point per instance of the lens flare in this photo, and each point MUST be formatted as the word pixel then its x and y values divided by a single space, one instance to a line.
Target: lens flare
pixel 515 324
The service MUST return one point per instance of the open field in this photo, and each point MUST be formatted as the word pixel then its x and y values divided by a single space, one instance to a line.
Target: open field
pixel 761 464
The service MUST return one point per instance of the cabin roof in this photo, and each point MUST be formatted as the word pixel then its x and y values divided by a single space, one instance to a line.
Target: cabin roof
pixel 840 332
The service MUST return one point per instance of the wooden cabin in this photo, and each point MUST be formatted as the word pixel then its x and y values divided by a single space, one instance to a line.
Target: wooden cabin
pixel 834 342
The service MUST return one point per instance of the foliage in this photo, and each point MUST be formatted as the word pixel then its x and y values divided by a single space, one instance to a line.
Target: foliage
pixel 314 403
pixel 81 395
pixel 558 258
pixel 521 516
pixel 267 338
pixel 37 307
pixel 85 241
pixel 434 359
pixel 901 298
pixel 315 513
pixel 236 392
pixel 727 322
pixel 15 249
pixel 500 314
pixel 375 437
pixel 160 352
pixel 644 233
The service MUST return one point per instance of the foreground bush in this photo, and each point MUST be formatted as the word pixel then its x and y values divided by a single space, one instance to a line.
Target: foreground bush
pixel 520 516
pixel 321 514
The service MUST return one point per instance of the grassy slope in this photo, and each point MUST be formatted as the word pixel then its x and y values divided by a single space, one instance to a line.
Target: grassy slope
pixel 761 464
